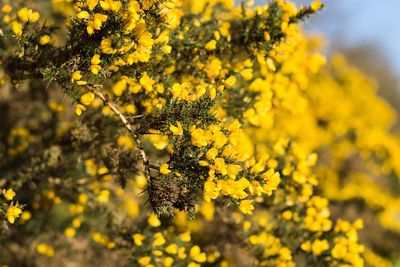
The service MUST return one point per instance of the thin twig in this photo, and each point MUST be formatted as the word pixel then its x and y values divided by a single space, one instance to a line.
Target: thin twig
pixel 114 107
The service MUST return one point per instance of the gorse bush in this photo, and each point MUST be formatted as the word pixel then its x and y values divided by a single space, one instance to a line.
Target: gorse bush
pixel 186 133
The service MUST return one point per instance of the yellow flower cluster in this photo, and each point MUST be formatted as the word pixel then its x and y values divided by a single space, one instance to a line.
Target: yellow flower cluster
pixel 207 112
pixel 25 15
pixel 168 250
pixel 12 210
pixel 45 249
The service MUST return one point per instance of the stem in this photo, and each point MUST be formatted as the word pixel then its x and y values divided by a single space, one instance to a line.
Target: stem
pixel 114 107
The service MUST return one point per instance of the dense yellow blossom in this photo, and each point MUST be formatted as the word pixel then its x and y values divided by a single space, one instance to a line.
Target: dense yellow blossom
pixel 209 135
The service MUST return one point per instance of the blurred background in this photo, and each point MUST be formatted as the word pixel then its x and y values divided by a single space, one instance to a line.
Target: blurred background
pixel 368 33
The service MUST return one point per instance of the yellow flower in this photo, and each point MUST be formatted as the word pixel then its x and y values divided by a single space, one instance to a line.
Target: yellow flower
pixel 164 168
pixel 6 9
pixel 185 237
pixel 100 18
pixel 27 15
pixel 319 246
pixel 213 92
pixel 79 108
pixel 267 36
pixel 230 82
pixel 159 239
pixel 76 223
pixel 76 76
pixel 26 215
pixel 119 87
pixel 81 82
pixel 166 49
pixel 69 232
pixel 207 209
pixel 238 187
pixel 219 165
pixel 12 213
pixel 95 69
pixel 91 27
pixel 199 137
pixel 92 3
pixel 147 82
pixel 212 153
pixel 130 109
pixel 272 181
pixel 87 98
pixel 211 45
pixel 83 15
pixel 104 196
pixel 168 261
pixel 339 251
pixel 44 249
pixel 285 253
pixel 144 261
pixel 105 46
pixel 246 206
pixel 45 39
pixel 270 64
pixel 125 141
pixel 232 170
pixel 96 23
pixel 306 246
pixel 176 90
pixel 176 130
pixel 316 5
pixel 196 254
pixel 110 5
pixel 213 68
pixel 211 191
pixel 358 224
pixel 258 167
pixel 157 252
pixel 9 194
pixel 153 220
pixel 95 60
pixel 172 249
pixel 16 27
pixel 287 215
pixel 138 239
pixel 247 74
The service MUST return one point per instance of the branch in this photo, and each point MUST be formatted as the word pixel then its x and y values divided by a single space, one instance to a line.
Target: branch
pixel 115 109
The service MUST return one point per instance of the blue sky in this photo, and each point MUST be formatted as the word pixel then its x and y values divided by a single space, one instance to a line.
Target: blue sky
pixel 355 22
